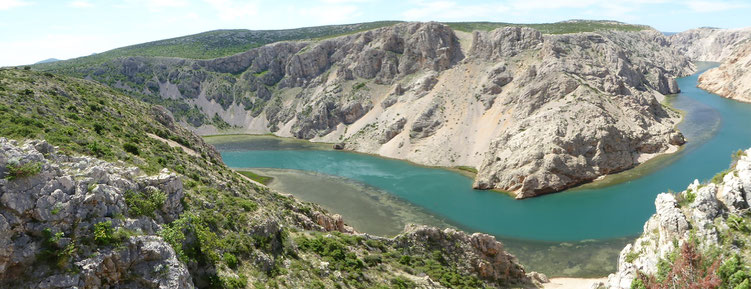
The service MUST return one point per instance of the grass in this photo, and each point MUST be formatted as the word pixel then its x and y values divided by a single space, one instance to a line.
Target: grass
pixel 256 177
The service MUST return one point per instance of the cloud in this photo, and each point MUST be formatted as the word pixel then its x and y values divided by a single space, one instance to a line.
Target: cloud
pixel 714 6
pixel 230 10
pixel 449 10
pixel 10 4
pixel 80 4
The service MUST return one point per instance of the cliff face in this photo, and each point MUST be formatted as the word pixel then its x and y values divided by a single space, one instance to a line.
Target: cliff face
pixel 118 195
pixel 732 79
pixel 509 102
pixel 712 216
pixel 709 44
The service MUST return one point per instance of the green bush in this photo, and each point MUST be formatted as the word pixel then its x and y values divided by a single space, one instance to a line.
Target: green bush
pixel 131 148
pixel 144 203
pixel 402 283
pixel 230 259
pixel 16 171
pixel 104 234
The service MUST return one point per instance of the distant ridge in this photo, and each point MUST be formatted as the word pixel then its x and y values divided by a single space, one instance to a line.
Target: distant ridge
pixel 48 60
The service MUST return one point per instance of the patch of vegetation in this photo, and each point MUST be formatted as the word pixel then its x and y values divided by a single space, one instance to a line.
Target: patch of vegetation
pixel 19 171
pixel 256 177
pixel 467 169
pixel 145 203
pixel 335 251
pixel 104 235
pixel 213 44
pixel 131 148
pixel 632 256
pixel 690 269
pixel 565 27
pixel 719 176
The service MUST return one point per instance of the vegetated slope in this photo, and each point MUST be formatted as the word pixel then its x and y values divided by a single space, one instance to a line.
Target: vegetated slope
pixel 697 239
pixel 213 44
pixel 732 79
pixel 563 27
pixel 508 102
pixel 104 201
pixel 709 44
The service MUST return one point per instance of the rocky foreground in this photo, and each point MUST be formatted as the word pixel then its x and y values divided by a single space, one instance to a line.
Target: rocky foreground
pixel 509 102
pixel 119 196
pixel 698 237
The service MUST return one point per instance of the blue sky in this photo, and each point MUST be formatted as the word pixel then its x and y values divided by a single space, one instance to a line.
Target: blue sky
pixel 33 30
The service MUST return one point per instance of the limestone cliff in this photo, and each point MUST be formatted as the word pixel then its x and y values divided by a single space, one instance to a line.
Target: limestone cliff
pixel 534 113
pixel 732 79
pixel 709 44
pixel 712 216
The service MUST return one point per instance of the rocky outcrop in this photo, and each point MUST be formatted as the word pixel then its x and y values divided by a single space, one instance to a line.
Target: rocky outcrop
pixel 732 79
pixel 483 255
pixel 700 214
pixel 548 148
pixel 709 44
pixel 66 223
pixel 509 101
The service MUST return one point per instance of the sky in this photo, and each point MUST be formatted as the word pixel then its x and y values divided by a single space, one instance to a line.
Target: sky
pixel 34 30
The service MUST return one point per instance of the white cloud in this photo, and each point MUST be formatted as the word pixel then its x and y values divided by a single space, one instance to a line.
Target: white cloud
pixel 449 10
pixel 10 4
pixel 80 4
pixel 230 10
pixel 714 6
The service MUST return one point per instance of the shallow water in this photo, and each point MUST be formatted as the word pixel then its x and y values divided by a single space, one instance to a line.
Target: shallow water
pixel 546 233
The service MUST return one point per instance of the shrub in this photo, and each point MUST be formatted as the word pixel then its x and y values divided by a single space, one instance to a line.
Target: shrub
pixel 103 233
pixel 401 283
pixel 230 259
pixel 144 203
pixel 131 148
pixel 17 171
pixel 690 271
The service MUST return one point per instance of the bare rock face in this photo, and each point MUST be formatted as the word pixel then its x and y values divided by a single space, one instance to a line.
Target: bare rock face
pixel 50 212
pixel 558 148
pixel 732 79
pixel 699 213
pixel 709 44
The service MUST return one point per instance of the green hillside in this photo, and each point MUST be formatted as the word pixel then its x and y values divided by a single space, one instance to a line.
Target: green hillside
pixel 564 27
pixel 232 233
pixel 214 44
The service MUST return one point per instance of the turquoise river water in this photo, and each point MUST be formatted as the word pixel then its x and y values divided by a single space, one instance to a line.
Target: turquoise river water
pixel 591 221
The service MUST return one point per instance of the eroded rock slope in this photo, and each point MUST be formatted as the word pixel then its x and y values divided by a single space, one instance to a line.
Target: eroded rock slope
pixel 534 113
pixel 732 79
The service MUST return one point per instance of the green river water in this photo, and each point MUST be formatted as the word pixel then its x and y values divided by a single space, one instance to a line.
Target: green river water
pixel 578 232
